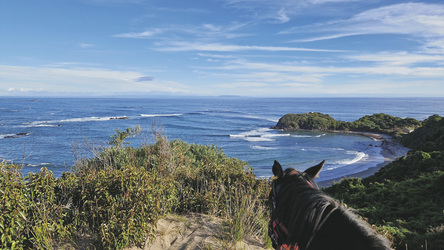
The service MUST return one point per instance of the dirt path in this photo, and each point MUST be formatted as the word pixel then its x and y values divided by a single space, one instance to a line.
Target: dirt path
pixel 194 231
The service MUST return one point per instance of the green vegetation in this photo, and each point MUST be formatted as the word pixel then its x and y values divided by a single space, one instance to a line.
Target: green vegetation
pixel 429 137
pixel 115 199
pixel 405 199
pixel 310 121
pixel 378 123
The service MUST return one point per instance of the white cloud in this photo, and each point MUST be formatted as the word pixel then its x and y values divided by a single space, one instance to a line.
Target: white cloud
pixel 321 72
pixel 92 80
pixel 143 34
pixel 282 16
pixel 399 58
pixel 281 11
pixel 421 20
pixel 86 45
pixel 23 90
pixel 206 31
pixel 191 46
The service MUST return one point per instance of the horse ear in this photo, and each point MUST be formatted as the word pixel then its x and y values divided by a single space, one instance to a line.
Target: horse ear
pixel 277 169
pixel 314 171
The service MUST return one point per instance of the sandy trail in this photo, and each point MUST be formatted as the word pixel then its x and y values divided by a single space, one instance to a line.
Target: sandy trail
pixel 194 231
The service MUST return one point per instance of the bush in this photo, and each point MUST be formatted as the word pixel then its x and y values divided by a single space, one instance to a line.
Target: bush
pixel 13 208
pixel 117 197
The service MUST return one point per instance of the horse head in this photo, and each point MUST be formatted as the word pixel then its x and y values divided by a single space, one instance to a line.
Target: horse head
pixel 304 218
pixel 301 182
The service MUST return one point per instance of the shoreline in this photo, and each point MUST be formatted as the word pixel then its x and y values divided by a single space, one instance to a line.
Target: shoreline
pixel 390 150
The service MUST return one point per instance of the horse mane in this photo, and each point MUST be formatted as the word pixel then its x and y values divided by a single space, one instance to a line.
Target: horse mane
pixel 304 210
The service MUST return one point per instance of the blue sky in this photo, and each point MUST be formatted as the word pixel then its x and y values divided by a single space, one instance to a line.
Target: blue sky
pixel 286 48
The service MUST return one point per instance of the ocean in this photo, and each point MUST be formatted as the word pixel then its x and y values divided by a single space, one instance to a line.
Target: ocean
pixel 54 132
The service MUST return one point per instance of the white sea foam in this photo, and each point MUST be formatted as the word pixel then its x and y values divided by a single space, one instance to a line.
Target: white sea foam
pixel 263 148
pixel 92 119
pixel 256 135
pixel 358 156
pixel 275 135
pixel 302 136
pixel 159 115
pixel 238 136
pixel 38 125
pixel 257 139
pixel 81 119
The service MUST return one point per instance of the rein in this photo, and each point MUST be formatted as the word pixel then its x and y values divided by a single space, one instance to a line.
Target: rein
pixel 279 234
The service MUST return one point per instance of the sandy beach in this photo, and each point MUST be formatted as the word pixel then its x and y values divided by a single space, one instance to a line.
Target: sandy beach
pixel 390 150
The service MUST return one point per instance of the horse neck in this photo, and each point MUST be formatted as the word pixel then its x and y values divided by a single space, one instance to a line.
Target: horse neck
pixel 343 231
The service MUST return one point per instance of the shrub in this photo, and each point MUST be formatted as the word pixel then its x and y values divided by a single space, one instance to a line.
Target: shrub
pixel 117 197
pixel 13 206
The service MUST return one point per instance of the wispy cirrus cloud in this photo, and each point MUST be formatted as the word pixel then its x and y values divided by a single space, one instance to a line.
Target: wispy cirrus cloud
pixel 86 45
pixel 319 71
pixel 143 34
pixel 398 58
pixel 420 20
pixel 295 78
pixel 218 47
pixel 278 11
pixel 203 31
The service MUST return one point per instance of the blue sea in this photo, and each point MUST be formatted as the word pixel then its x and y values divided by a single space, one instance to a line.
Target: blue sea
pixel 54 132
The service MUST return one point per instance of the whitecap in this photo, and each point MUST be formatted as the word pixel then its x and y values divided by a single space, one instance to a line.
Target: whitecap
pixel 238 136
pixel 257 139
pixel 302 136
pixel 81 119
pixel 91 119
pixel 158 115
pixel 275 135
pixel 38 125
pixel 261 134
pixel 358 157
pixel 263 148
pixel 320 135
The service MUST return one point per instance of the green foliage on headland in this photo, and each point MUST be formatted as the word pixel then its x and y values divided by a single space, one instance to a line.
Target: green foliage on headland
pixel 114 200
pixel 405 199
pixel 430 137
pixel 378 123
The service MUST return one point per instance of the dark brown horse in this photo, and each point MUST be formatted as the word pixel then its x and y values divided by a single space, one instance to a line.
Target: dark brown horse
pixel 305 218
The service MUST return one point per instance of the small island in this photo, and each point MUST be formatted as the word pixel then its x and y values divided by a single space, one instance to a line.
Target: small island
pixel 376 123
